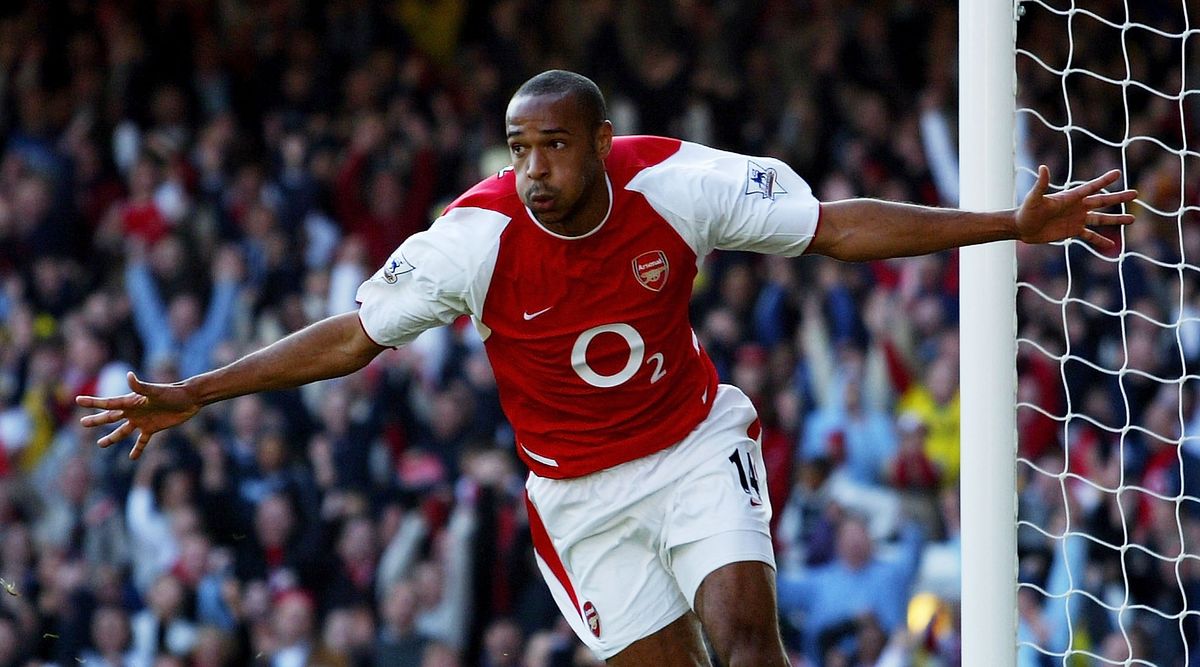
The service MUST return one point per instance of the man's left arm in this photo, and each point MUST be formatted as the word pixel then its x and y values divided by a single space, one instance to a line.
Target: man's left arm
pixel 866 229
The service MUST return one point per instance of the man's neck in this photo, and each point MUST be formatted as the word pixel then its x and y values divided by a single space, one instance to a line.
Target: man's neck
pixel 588 217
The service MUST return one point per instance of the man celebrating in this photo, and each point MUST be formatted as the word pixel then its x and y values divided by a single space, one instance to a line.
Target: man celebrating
pixel 647 496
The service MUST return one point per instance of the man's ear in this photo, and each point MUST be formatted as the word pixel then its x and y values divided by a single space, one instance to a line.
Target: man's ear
pixel 604 137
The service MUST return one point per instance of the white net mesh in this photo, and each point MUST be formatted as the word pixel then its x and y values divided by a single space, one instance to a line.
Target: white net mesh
pixel 1109 341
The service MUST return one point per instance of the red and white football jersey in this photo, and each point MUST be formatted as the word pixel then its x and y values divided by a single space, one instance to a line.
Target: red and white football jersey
pixel 594 356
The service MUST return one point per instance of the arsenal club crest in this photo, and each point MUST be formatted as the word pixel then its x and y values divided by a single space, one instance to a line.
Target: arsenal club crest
pixel 651 268
pixel 592 618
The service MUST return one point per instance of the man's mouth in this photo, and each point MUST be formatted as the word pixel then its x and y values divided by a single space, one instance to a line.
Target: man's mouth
pixel 541 201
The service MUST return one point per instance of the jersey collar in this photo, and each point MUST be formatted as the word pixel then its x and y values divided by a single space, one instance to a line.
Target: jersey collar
pixel 607 215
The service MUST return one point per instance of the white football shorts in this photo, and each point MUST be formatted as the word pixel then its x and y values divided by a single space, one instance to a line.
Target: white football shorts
pixel 624 550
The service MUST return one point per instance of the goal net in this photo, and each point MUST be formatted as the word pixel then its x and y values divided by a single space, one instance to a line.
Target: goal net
pixel 1108 342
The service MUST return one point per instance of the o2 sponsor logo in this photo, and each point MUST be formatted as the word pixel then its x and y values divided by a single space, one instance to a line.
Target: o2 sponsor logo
pixel 637 357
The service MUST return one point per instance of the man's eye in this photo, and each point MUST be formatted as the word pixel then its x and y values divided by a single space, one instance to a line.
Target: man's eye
pixel 557 144
pixel 516 149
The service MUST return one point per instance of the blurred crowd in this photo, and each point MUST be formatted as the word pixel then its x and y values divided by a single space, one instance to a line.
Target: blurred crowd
pixel 184 181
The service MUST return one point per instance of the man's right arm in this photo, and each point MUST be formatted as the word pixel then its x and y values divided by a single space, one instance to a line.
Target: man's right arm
pixel 333 347
pixel 330 348
pixel 428 281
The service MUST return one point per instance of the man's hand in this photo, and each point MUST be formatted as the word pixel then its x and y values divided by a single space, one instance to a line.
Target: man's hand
pixel 1043 217
pixel 148 409
pixel 333 347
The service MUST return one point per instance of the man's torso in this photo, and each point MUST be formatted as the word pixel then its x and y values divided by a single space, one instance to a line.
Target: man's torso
pixel 589 336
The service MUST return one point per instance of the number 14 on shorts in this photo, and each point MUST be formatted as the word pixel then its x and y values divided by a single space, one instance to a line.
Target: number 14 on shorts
pixel 747 475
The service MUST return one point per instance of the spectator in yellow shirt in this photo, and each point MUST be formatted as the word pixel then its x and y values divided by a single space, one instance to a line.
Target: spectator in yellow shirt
pixel 936 402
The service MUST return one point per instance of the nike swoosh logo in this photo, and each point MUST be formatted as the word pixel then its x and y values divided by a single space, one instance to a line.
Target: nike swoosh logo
pixel 529 316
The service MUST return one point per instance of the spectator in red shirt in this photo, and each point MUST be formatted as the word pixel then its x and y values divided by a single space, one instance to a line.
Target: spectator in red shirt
pixel 387 212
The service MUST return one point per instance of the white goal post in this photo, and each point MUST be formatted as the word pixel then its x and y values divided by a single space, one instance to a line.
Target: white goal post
pixel 1080 476
pixel 987 335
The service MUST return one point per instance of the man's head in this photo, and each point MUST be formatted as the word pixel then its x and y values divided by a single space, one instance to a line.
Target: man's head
pixel 558 137
pixel 942 379
pixel 74 480
pixel 400 607
pixel 166 597
pixel 356 545
pixel 110 630
pixel 184 316
pixel 854 546
pixel 246 416
pixel 428 581
pixel 274 520
pixel 502 642
pixel 293 618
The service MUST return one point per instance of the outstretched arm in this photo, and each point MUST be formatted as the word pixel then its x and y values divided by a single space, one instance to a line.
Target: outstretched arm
pixel 865 229
pixel 330 348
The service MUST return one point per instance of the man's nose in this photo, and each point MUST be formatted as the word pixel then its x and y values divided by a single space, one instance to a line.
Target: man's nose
pixel 537 166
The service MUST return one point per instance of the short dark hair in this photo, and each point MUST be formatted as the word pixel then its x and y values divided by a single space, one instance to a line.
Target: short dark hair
pixel 586 93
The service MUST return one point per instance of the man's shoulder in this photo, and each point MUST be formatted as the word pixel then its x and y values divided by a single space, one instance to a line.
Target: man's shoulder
pixel 674 167
pixel 634 153
pixel 643 150
pixel 497 192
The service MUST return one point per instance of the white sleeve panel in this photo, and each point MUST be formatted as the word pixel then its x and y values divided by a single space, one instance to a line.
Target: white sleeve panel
pixel 721 200
pixel 433 277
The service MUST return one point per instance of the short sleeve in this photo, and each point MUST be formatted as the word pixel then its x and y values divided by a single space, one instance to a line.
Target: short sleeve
pixel 432 278
pixel 722 200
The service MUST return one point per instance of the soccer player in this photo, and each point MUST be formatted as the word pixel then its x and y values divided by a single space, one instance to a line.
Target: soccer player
pixel 647 497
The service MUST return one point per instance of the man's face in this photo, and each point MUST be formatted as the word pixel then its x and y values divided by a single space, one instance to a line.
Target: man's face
pixel 557 155
pixel 273 521
pixel 854 543
pixel 183 316
pixel 110 630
